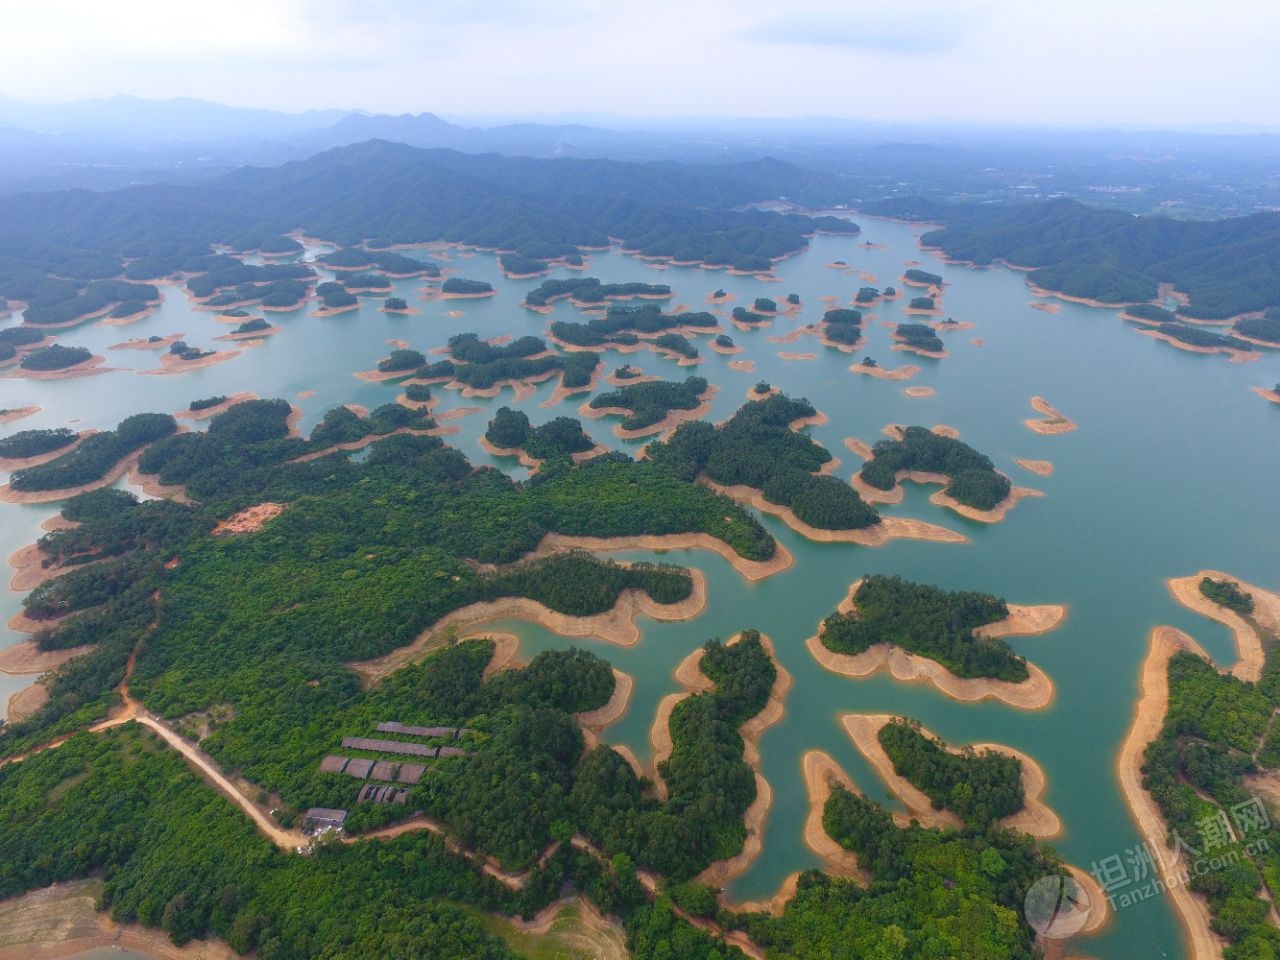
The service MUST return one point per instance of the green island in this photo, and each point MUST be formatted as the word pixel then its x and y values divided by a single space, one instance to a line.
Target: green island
pixel 395 303
pixel 749 317
pixel 757 448
pixel 977 786
pixel 972 478
pixel 652 401
pixel 919 336
pixel 590 290
pixel 35 443
pixel 927 621
pixel 253 326
pixel 471 288
pixel 96 456
pixel 922 277
pixel 842 325
pixel 1265 327
pixel 55 357
pixel 559 437
pixel 624 325
pixel 207 402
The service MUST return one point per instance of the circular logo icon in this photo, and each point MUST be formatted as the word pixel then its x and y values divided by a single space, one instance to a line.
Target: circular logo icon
pixel 1056 907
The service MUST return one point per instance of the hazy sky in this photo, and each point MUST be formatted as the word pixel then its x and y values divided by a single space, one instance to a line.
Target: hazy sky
pixel 1078 62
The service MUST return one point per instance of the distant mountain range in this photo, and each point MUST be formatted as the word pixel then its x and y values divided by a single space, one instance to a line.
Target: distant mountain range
pixel 102 144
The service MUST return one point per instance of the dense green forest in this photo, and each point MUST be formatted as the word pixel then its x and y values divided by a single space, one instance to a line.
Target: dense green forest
pixel 621 325
pixel 977 787
pixel 652 401
pixel 1225 593
pixel 757 448
pixel 928 621
pixel 459 285
pixel 1265 327
pixel 559 437
pixel 973 478
pixel 589 290
pixel 1226 267
pixel 919 335
pixel 93 459
pixel 55 357
pixel 922 276
pixel 842 325
pixel 1216 731
pixel 32 443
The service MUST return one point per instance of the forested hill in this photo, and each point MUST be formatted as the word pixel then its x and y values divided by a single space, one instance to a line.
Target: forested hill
pixel 541 209
pixel 1226 267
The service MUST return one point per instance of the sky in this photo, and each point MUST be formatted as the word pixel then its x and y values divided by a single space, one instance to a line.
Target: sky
pixel 1084 62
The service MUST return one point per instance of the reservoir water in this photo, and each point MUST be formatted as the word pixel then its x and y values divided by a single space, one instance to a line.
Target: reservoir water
pixel 1169 473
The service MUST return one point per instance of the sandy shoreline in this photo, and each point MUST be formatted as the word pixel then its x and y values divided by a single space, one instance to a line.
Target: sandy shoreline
pixel 242 397
pixel 617 625
pixel 1052 422
pixel 1148 718
pixel 887 530
pixel 25 658
pixel 9 495
pixel 22 463
pixel 18 413
pixel 1035 818
pixel 1266 394
pixel 821 775
pixel 750 570
pixel 1236 355
pixel 85 368
pixel 172 364
pixel 881 373
pixel 1034 693
pixel 668 423
pixel 1041 468
pixel 1250 654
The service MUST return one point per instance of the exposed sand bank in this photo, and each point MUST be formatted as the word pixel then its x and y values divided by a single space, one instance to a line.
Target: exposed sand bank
pixel 1250 653
pixel 886 531
pixel 145 343
pixel 1045 307
pixel 27 702
pixel 995 514
pixel 62 922
pixel 1148 718
pixel 921 352
pixel 595 721
pixel 1035 818
pixel 1052 422
pixel 1041 468
pixel 249 334
pixel 821 775
pixel 919 392
pixel 561 392
pixel 617 625
pixel 1266 394
pixel 787 355
pixel 1035 693
pixel 171 363
pixel 882 373
pixel 1237 355
pixel 671 421
pixel 17 413
pixel 743 366
pixel 25 658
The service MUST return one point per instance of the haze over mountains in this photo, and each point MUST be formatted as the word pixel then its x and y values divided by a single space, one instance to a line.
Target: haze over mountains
pixel 104 144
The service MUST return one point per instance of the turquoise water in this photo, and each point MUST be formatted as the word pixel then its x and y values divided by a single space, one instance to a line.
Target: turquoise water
pixel 1169 473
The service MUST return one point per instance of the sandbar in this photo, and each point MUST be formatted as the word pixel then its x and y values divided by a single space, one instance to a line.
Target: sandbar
pixel 405 311
pixel 27 702
pixel 146 343
pixel 614 380
pixel 1052 422
pixel 920 351
pixel 995 514
pixel 1045 307
pixel 725 351
pixel 1041 468
pixel 1266 394
pixel 1237 355
pixel 17 413
pixel 919 392
pixel 821 775
pixel 1148 719
pixel 743 366
pixel 786 355
pixel 171 363
pixel 85 368
pixel 881 373
pixel 22 463
pixel 457 413
pixel 859 447
pixel 712 298
pixel 242 397
pixel 1250 652
pixel 249 334
pixel 978 342
pixel 333 311
pixel 886 531
pixel 617 625
pixel 110 321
